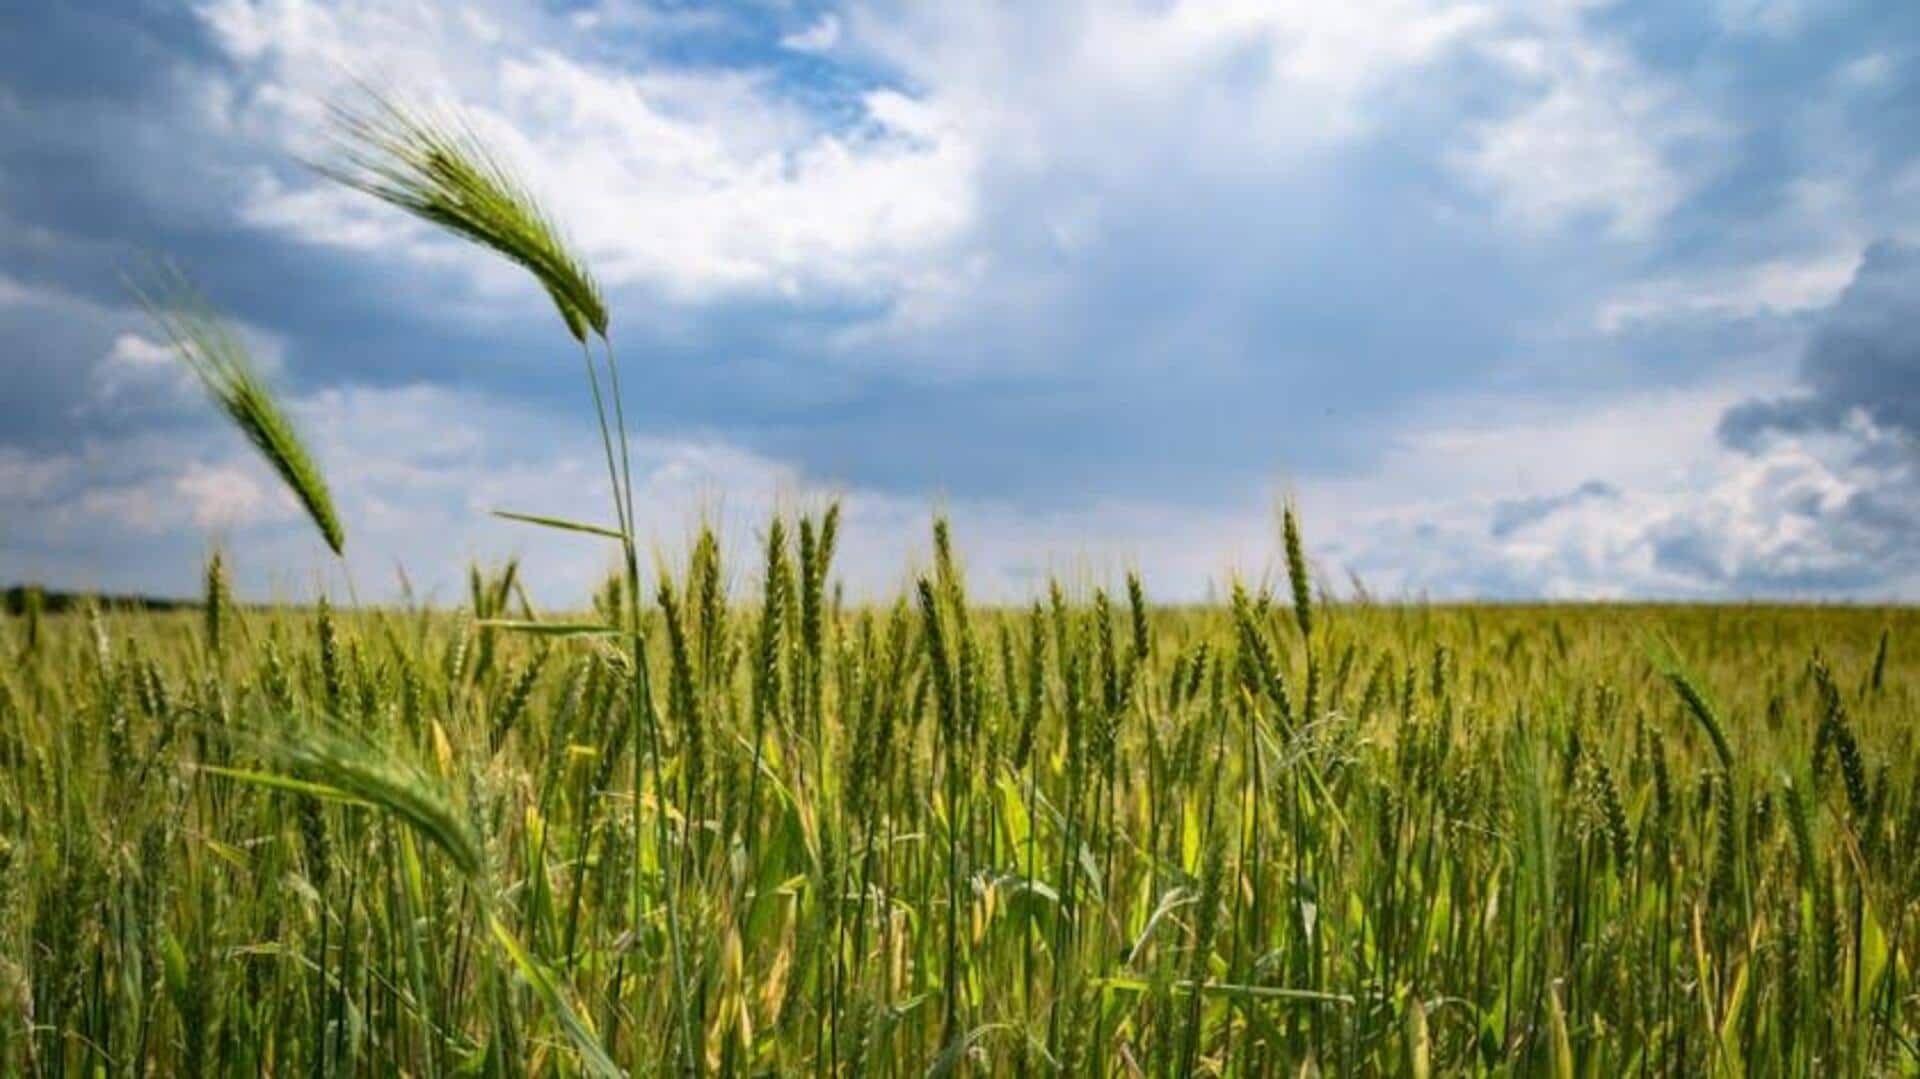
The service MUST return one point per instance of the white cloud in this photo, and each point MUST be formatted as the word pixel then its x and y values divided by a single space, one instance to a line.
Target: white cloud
pixel 144 484
pixel 13 293
pixel 821 36
pixel 140 374
pixel 689 204
pixel 403 497
pixel 1110 87
pixel 1782 286
pixel 226 496
pixel 1064 122
pixel 1776 18
pixel 133 352
pixel 695 181
pixel 417 470
pixel 1680 513
pixel 1869 70
pixel 137 372
pixel 142 509
pixel 703 181
pixel 333 216
pixel 25 476
pixel 21 294
pixel 1597 136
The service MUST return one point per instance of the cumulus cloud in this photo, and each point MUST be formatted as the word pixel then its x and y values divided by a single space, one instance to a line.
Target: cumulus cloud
pixel 417 471
pixel 1830 481
pixel 225 496
pixel 1788 285
pixel 25 476
pixel 1598 135
pixel 1678 513
pixel 1814 491
pixel 1864 358
pixel 1791 520
pixel 1512 515
pixel 137 372
pixel 132 356
pixel 819 36
pixel 696 181
pixel 1797 521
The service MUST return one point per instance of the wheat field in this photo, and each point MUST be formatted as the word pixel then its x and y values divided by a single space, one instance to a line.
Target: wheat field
pixel 1092 837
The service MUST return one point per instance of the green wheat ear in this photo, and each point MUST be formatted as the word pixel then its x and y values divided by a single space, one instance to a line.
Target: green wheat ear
pixel 437 169
pixel 210 348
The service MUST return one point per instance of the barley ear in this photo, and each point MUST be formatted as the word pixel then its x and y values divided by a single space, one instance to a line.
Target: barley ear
pixel 437 169
pixel 211 349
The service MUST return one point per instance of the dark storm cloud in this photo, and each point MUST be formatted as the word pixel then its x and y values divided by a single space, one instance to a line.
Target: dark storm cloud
pixel 1864 358
pixel 1858 387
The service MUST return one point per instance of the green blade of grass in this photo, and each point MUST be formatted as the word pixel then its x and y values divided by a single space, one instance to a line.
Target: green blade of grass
pixel 561 524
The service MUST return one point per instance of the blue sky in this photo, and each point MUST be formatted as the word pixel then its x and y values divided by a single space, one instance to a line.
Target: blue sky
pixel 1517 299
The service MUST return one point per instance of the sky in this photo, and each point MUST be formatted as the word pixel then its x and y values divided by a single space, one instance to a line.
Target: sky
pixel 1530 299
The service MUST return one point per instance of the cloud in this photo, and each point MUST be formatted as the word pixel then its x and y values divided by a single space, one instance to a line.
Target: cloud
pixel 1140 197
pixel 132 352
pixel 1054 85
pixel 820 36
pixel 1827 495
pixel 1774 17
pixel 1811 492
pixel 136 373
pixel 1864 358
pixel 1598 135
pixel 1796 522
pixel 1512 515
pixel 24 476
pixel 68 359
pixel 1785 286
pixel 1678 514
pixel 697 182
pixel 224 497
pixel 1803 519
pixel 417 471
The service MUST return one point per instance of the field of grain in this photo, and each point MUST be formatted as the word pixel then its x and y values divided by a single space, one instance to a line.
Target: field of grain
pixel 1090 837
